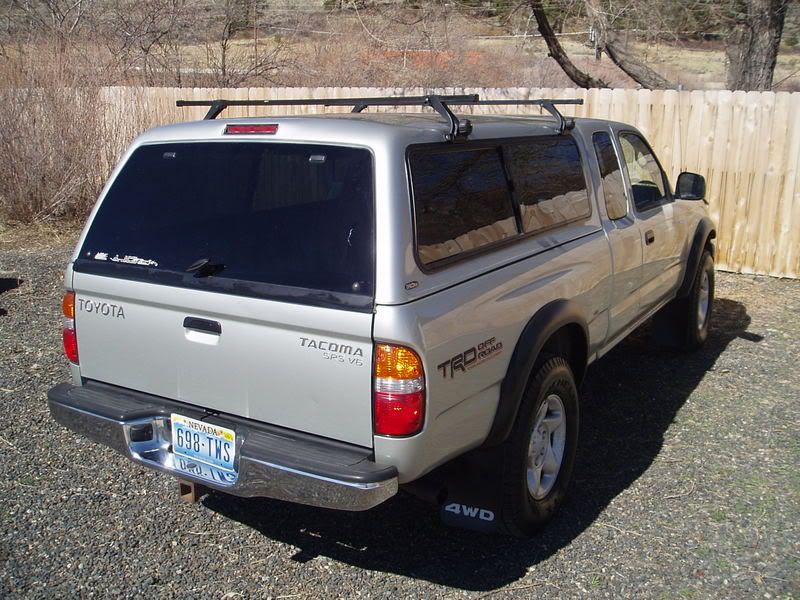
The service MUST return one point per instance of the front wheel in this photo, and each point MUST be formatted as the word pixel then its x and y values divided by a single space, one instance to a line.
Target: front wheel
pixel 540 452
pixel 683 324
pixel 701 301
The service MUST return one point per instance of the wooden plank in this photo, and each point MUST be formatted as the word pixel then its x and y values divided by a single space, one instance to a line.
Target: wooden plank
pixel 603 106
pixel 777 225
pixel 763 192
pixel 691 133
pixel 789 242
pixel 680 131
pixel 718 173
pixel 745 163
pixel 666 133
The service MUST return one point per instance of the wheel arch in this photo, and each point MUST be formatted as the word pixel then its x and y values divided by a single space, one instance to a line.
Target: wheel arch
pixel 703 234
pixel 557 328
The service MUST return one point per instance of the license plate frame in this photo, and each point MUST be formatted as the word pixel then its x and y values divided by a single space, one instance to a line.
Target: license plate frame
pixel 200 441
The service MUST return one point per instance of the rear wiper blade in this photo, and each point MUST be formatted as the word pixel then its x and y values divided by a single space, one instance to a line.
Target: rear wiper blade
pixel 205 268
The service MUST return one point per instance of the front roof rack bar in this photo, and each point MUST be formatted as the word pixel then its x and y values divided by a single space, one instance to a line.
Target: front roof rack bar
pixel 549 104
pixel 459 129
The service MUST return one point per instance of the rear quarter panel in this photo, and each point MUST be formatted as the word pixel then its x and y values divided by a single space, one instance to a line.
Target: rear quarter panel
pixel 466 336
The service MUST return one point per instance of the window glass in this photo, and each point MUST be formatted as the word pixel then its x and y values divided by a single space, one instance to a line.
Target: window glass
pixel 647 180
pixel 461 201
pixel 548 181
pixel 278 214
pixel 611 173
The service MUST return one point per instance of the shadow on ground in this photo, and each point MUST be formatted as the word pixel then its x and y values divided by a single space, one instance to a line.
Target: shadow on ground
pixel 6 285
pixel 629 399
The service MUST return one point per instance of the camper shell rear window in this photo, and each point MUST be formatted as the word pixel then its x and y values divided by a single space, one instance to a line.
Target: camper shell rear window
pixel 287 221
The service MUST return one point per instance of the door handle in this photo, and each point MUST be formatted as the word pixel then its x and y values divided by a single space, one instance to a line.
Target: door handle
pixel 649 237
pixel 204 325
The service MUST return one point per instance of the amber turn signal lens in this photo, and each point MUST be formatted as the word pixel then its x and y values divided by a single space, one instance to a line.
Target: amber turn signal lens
pixel 396 362
pixel 68 305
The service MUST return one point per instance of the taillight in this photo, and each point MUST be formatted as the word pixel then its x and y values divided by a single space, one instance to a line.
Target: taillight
pixel 69 336
pixel 399 392
pixel 272 128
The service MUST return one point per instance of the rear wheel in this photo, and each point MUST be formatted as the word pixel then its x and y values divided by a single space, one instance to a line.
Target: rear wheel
pixel 539 455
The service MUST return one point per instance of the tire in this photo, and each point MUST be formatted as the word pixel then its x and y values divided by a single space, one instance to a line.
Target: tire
pixel 546 427
pixel 701 303
pixel 683 324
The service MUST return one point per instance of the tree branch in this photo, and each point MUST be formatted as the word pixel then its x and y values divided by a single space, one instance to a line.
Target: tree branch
pixel 607 40
pixel 578 77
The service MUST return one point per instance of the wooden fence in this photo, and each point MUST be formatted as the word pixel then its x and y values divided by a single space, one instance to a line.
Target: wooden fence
pixel 746 144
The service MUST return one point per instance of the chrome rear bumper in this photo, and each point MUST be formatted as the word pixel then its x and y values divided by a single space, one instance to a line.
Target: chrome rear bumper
pixel 271 462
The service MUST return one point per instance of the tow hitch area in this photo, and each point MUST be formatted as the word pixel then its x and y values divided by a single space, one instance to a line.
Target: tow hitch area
pixel 191 492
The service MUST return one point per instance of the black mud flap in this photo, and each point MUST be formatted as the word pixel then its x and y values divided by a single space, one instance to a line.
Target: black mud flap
pixel 467 490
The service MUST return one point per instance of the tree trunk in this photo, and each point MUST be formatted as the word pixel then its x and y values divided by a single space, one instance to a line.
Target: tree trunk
pixel 578 77
pixel 617 51
pixel 752 48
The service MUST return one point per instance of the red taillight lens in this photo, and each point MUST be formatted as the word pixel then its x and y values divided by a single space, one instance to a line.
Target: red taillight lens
pixel 399 393
pixel 71 345
pixel 399 414
pixel 69 336
pixel 252 129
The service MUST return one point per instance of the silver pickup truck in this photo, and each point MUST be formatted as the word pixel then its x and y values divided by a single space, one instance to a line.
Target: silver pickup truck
pixel 324 309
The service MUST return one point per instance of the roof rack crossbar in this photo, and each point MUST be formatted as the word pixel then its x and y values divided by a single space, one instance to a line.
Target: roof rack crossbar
pixel 549 104
pixel 459 129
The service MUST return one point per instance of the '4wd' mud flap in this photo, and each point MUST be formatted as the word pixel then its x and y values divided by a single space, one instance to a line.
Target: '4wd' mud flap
pixel 467 490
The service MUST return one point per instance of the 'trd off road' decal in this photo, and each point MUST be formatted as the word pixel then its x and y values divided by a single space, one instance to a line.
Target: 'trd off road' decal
pixel 471 358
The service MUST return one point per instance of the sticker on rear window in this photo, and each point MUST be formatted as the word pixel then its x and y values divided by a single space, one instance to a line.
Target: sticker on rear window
pixel 130 260
pixel 127 259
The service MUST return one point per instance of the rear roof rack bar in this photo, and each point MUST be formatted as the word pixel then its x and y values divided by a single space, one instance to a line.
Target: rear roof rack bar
pixel 459 129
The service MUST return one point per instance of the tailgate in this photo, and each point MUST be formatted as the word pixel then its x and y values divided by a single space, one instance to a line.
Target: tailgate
pixel 280 363
pixel 236 276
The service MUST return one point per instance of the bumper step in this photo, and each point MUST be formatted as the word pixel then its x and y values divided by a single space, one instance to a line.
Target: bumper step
pixel 271 462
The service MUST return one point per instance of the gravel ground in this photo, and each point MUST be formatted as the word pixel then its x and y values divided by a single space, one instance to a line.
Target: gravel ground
pixel 687 484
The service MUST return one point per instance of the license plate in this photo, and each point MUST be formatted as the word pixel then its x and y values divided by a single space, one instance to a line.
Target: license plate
pixel 203 471
pixel 203 442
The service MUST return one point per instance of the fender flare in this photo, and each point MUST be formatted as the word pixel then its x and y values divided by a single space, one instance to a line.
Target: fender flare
pixel 539 329
pixel 705 231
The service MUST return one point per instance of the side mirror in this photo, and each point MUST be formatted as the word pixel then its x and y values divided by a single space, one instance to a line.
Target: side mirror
pixel 691 186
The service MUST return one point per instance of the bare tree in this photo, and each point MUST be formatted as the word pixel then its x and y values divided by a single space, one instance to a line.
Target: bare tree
pixel 580 78
pixel 231 64
pixel 60 19
pixel 618 51
pixel 752 49
pixel 144 36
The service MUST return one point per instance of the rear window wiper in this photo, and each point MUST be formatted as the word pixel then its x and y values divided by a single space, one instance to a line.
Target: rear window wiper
pixel 204 268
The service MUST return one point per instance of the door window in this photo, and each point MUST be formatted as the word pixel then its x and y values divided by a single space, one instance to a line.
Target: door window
pixel 648 183
pixel 611 173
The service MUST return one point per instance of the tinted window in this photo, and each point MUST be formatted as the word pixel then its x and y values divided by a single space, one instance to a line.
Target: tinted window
pixel 548 182
pixel 610 171
pixel 647 180
pixel 264 213
pixel 461 201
